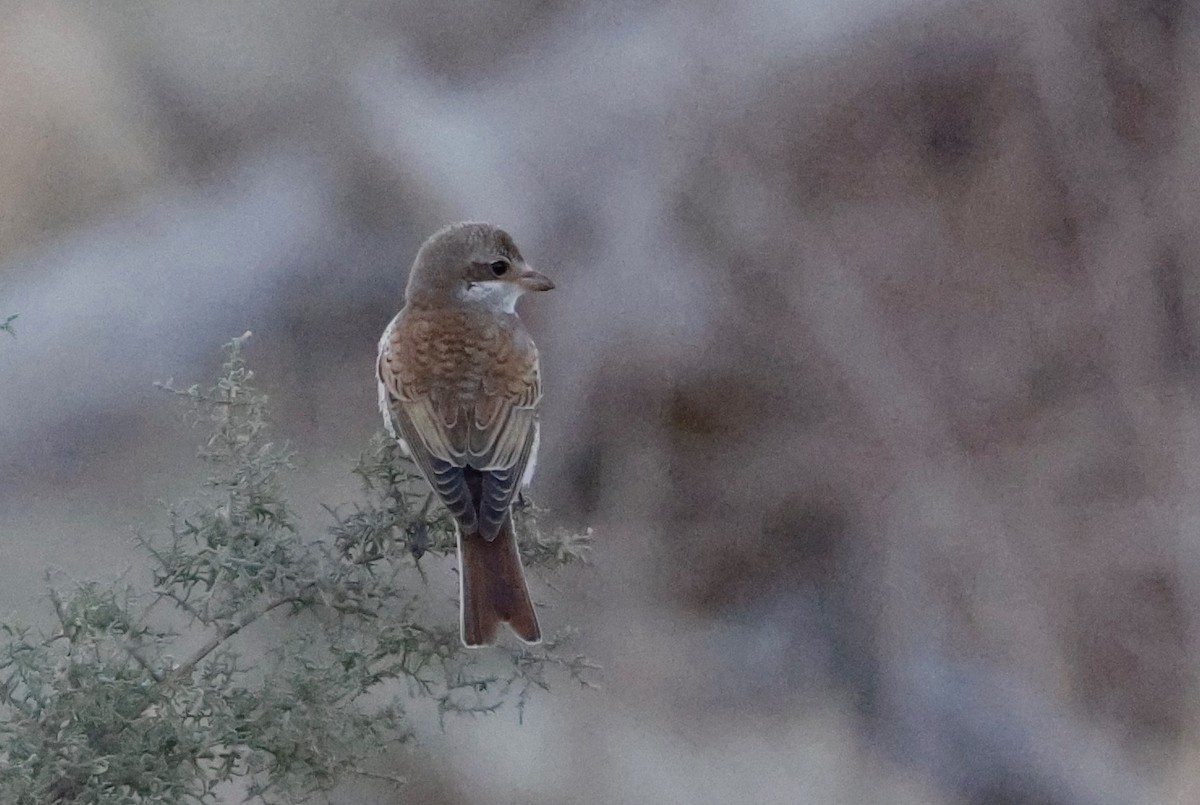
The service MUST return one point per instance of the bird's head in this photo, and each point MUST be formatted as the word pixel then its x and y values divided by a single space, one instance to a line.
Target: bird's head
pixel 472 264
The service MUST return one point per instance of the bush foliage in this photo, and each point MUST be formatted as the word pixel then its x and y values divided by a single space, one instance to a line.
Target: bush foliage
pixel 255 653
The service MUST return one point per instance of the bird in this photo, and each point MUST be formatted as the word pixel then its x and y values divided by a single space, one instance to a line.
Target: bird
pixel 459 389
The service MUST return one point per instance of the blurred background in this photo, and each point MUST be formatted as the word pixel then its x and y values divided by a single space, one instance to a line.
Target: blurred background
pixel 873 362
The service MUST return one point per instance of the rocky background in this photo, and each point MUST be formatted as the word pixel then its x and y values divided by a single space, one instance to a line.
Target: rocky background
pixel 874 360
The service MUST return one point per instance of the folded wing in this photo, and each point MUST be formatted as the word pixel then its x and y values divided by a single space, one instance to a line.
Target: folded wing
pixel 493 431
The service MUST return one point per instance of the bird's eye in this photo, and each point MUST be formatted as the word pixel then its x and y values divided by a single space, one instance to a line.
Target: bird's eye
pixel 499 268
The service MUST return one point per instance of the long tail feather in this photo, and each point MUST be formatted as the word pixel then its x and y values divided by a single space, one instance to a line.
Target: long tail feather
pixel 493 588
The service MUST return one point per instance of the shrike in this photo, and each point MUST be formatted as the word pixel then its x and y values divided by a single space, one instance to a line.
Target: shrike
pixel 459 387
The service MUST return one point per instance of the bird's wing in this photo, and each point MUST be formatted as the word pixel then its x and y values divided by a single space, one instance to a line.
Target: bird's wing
pixel 447 440
pixel 502 437
pixel 412 416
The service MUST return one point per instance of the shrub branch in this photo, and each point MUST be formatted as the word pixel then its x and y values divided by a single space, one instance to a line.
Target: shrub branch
pixel 101 711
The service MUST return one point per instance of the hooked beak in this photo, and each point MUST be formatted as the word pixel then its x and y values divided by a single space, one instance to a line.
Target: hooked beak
pixel 531 280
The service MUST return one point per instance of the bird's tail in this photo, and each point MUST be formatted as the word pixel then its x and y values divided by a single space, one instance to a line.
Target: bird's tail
pixel 493 588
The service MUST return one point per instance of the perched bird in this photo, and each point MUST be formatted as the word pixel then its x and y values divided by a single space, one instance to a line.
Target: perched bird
pixel 459 387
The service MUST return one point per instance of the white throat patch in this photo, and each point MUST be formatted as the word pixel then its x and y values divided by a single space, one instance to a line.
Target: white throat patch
pixel 494 295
